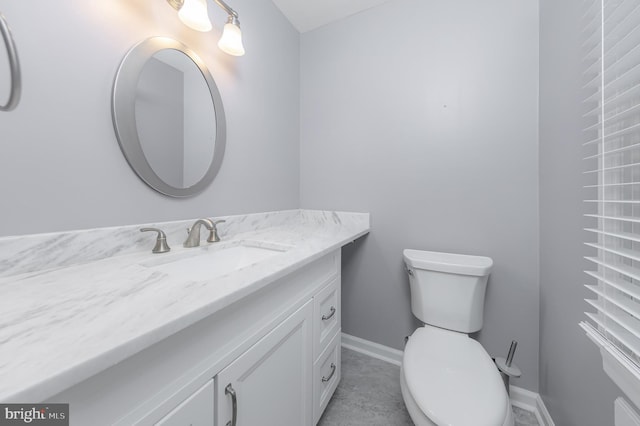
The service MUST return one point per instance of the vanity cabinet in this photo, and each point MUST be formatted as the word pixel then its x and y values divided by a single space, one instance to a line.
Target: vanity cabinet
pixel 197 410
pixel 277 349
pixel 271 382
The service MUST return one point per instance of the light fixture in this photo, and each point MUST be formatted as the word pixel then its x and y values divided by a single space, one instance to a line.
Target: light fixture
pixel 231 40
pixel 193 13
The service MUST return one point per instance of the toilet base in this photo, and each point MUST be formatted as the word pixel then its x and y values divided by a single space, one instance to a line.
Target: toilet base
pixel 420 419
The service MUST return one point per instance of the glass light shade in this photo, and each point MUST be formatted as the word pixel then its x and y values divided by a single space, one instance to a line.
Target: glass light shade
pixel 231 40
pixel 193 14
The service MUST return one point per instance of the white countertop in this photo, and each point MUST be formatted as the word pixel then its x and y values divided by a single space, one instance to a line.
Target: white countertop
pixel 63 323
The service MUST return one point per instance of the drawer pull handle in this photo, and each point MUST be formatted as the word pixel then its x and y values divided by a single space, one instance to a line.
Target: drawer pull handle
pixel 333 371
pixel 327 317
pixel 234 404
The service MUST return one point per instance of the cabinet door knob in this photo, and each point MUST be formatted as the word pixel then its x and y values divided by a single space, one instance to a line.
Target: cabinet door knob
pixel 332 313
pixel 333 371
pixel 234 405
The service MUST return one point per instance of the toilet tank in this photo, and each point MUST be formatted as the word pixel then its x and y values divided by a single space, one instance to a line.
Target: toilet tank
pixel 447 290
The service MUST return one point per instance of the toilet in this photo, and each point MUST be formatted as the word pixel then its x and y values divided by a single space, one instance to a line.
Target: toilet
pixel 447 378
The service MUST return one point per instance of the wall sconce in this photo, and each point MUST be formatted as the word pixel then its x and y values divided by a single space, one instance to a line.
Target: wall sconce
pixel 193 13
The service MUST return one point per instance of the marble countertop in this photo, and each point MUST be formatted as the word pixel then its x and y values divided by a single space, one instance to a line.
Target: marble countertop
pixel 68 317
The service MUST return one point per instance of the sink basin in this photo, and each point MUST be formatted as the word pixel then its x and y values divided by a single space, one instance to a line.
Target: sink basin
pixel 212 261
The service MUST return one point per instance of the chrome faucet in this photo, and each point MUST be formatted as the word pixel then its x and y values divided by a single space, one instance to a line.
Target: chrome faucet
pixel 213 235
pixel 161 240
pixel 193 239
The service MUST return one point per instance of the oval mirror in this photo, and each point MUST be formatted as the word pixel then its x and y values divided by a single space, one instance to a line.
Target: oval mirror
pixel 168 117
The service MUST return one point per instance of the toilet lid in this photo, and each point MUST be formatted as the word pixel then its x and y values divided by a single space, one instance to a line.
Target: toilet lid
pixel 453 380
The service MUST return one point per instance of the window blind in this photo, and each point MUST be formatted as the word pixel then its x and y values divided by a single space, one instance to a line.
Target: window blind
pixel 612 158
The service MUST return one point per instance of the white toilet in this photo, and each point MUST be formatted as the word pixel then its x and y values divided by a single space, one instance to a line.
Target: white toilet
pixel 447 378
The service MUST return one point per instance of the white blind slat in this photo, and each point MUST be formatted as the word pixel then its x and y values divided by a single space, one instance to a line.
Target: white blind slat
pixel 593 97
pixel 627 271
pixel 593 112
pixel 621 21
pixel 624 131
pixel 628 254
pixel 621 97
pixel 627 78
pixel 621 115
pixel 628 323
pixel 615 151
pixel 616 17
pixel 621 61
pixel 627 339
pixel 610 185
pixel 631 219
pixel 618 284
pixel 612 156
pixel 613 201
pixel 608 169
pixel 593 83
pixel 628 236
pixel 624 42
pixel 593 141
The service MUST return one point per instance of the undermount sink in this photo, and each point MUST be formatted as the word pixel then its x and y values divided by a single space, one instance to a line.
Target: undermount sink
pixel 209 261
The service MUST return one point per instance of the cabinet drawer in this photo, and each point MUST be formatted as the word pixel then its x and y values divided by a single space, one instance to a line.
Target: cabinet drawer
pixel 197 410
pixel 326 376
pixel 327 316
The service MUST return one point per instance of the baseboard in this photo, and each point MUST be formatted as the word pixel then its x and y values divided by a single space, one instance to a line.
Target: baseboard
pixel 520 397
pixel 375 350
pixel 530 401
pixel 541 410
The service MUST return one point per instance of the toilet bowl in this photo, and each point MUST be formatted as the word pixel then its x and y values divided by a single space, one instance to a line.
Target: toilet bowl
pixel 447 378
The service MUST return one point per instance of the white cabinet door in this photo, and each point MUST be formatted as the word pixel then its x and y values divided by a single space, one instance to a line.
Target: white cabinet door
pixel 272 381
pixel 197 410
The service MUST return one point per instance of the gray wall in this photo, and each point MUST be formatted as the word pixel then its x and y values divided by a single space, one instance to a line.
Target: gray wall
pixel 425 114
pixel 572 383
pixel 60 164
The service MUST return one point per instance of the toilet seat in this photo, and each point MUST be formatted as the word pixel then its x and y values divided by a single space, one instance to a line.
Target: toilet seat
pixel 452 379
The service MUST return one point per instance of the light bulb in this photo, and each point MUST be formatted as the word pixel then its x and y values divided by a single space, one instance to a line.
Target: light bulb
pixel 193 14
pixel 231 40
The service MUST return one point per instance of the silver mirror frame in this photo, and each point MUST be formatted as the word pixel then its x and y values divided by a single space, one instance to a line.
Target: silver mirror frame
pixel 14 67
pixel 123 114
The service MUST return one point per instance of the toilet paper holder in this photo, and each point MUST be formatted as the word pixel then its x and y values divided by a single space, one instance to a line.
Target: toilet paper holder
pixel 506 367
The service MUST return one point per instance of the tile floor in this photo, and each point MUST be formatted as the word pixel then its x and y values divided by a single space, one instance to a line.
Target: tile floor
pixel 369 395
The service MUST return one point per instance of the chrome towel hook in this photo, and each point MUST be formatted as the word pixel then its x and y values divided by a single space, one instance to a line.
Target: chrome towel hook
pixel 14 67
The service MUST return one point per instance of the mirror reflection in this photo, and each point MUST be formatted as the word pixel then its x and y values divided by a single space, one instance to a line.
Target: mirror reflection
pixel 168 117
pixel 175 118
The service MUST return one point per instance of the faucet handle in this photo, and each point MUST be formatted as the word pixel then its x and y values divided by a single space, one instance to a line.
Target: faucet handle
pixel 161 241
pixel 213 232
